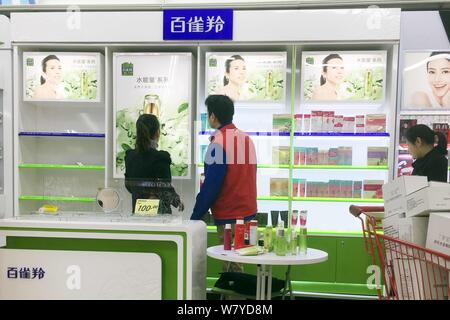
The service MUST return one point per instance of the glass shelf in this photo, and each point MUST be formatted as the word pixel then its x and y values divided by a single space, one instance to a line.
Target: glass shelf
pixel 255 133
pixel 339 167
pixel 318 199
pixel 56 198
pixel 273 198
pixel 341 134
pixel 60 166
pixel 261 166
pixel 61 134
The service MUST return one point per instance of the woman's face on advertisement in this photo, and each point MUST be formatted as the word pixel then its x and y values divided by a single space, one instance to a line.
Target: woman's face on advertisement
pixel 439 76
pixel 238 72
pixel 53 71
pixel 335 71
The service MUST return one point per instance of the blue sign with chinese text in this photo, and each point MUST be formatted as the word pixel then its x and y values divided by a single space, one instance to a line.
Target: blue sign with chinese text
pixel 198 24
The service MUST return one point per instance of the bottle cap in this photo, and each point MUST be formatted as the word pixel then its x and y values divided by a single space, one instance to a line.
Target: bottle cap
pixel 228 226
pixel 240 221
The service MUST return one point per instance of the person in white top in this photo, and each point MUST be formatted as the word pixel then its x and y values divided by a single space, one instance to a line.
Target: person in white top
pixel 438 78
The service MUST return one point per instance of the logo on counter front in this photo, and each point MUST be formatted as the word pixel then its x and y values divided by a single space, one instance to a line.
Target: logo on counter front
pixel 25 273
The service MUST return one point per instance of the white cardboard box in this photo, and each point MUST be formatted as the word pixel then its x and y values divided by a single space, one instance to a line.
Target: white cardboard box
pixel 436 197
pixel 438 235
pixel 413 230
pixel 394 193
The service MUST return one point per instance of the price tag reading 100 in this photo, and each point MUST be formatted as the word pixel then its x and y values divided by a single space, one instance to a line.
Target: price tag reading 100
pixel 146 207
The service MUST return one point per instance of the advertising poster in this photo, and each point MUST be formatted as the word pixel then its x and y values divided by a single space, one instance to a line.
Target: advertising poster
pixel 247 77
pixel 160 84
pixel 426 80
pixel 356 76
pixel 61 76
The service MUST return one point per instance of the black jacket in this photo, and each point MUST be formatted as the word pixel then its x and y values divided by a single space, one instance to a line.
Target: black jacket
pixel 147 176
pixel 434 165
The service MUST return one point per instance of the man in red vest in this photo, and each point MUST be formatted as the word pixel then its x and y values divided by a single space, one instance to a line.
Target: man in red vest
pixel 229 188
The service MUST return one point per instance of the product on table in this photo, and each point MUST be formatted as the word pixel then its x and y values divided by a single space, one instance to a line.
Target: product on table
pixel 372 189
pixel 268 236
pixel 280 242
pixel 281 155
pixel 282 122
pixel 316 121
pixel 227 237
pixel 405 124
pixel 359 124
pixel 357 189
pixel 48 209
pixel 279 187
pixel 323 157
pixel 298 122
pixel 306 123
pixel 253 232
pixel 377 156
pixel 302 235
pixel 239 234
pixel 349 124
pixel 376 123
pixel 299 186
pixel 348 156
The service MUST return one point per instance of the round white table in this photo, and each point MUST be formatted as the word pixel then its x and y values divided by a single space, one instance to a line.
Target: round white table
pixel 265 262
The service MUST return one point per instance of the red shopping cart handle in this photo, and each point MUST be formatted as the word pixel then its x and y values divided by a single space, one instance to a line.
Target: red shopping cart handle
pixel 357 210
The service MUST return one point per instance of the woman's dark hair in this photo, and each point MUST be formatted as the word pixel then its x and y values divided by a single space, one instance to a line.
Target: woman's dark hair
pixel 222 107
pixel 325 67
pixel 427 135
pixel 44 64
pixel 228 66
pixel 435 53
pixel 147 126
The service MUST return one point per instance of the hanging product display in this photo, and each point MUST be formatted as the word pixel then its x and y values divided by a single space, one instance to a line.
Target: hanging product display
pixel 426 80
pixel 247 77
pixel 344 76
pixel 159 84
pixel 62 76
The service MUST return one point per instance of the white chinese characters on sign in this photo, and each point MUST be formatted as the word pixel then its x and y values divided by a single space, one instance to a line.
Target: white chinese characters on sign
pixel 197 24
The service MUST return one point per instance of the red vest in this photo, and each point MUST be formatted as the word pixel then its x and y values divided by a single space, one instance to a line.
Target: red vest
pixel 237 197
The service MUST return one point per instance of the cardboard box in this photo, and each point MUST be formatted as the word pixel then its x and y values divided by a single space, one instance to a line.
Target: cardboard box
pixel 413 230
pixel 436 197
pixel 395 192
pixel 438 235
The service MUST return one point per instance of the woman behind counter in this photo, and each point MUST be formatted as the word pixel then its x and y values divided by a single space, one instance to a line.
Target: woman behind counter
pixel 431 161
pixel 147 170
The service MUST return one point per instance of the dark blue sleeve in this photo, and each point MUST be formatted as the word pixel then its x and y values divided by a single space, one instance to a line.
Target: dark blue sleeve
pixel 214 175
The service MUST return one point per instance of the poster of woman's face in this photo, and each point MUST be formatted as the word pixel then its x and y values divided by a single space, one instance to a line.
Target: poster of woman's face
pixel 357 76
pixel 61 76
pixel 426 80
pixel 252 77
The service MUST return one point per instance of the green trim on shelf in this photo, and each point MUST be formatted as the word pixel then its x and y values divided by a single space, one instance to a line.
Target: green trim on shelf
pixel 340 167
pixel 262 166
pixel 318 199
pixel 273 198
pixel 56 198
pixel 59 166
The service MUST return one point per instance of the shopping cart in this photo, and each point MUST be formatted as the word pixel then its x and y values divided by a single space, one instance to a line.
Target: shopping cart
pixel 404 271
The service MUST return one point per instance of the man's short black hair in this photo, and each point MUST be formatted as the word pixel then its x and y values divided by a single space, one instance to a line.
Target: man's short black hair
pixel 222 107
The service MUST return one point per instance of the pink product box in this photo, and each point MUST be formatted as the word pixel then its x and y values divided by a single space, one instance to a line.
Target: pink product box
pixel 338 123
pixel 328 121
pixel 298 122
pixel 359 124
pixel 349 124
pixel 316 121
pixel 306 123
